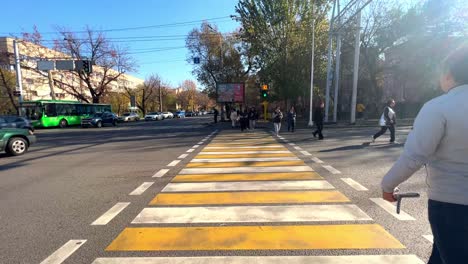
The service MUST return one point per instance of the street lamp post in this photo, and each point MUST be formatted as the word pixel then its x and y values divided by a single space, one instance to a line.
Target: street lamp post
pixel 311 122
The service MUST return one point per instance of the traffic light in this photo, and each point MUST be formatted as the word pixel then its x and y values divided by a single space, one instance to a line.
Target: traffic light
pixel 264 92
pixel 87 66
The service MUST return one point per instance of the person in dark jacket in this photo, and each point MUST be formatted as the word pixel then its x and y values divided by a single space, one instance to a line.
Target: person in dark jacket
pixel 216 113
pixel 387 121
pixel 291 119
pixel 253 116
pixel 244 120
pixel 318 119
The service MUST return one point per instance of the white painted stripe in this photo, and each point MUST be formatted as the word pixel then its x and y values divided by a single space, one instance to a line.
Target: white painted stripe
pixel 183 156
pixel 247 186
pixel 251 214
pixel 245 147
pixel 160 173
pixel 142 188
pixel 292 144
pixel 173 163
pixel 354 184
pixel 203 140
pixel 331 169
pixel 191 150
pixel 391 209
pixel 306 153
pixel 61 254
pixel 110 214
pixel 429 237
pixel 297 148
pixel 245 159
pixel 195 146
pixel 248 152
pixel 285 140
pixel 245 170
pixel 316 160
pixel 356 259
pixel 200 143
pixel 280 137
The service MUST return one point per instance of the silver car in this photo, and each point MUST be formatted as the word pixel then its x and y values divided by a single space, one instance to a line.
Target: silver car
pixel 127 117
pixel 167 115
pixel 153 116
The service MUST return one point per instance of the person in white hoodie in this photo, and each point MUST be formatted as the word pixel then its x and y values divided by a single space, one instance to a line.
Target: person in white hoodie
pixel 387 121
pixel 439 140
pixel 233 118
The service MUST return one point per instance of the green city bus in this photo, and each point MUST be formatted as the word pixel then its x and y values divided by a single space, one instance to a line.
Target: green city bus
pixel 58 113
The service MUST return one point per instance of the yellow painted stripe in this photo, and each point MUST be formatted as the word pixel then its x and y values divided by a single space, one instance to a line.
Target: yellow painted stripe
pixel 226 156
pixel 245 164
pixel 281 176
pixel 300 237
pixel 242 144
pixel 270 197
pixel 243 149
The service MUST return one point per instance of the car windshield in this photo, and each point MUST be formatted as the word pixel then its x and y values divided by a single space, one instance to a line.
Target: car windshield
pixel 153 113
pixel 98 115
pixel 126 114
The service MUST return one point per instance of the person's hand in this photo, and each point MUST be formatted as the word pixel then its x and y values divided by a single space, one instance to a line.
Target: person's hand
pixel 388 197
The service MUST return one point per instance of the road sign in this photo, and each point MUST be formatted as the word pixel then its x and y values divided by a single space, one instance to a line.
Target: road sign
pixel 46 65
pixel 65 65
pixel 196 60
pixel 132 101
pixel 16 93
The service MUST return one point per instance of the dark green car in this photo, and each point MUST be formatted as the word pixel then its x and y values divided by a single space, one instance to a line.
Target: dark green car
pixel 16 141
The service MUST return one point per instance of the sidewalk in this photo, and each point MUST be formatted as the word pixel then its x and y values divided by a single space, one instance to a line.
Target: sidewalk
pixel 302 123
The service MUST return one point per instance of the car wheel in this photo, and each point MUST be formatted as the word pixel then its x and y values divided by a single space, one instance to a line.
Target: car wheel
pixel 63 123
pixel 99 124
pixel 17 146
pixel 114 123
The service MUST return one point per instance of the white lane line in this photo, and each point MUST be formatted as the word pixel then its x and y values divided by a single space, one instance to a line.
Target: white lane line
pixel 191 150
pixel 245 170
pixel 195 146
pixel 306 153
pixel 316 160
pixel 297 148
pixel 285 141
pixel 61 254
pixel 391 209
pixel 142 188
pixel 160 173
pixel 354 184
pixel 246 159
pixel 248 186
pixel 280 137
pixel 200 143
pixel 183 156
pixel 251 214
pixel 331 169
pixel 429 237
pixel 247 152
pixel 246 147
pixel 355 259
pixel 203 140
pixel 173 163
pixel 110 214
pixel 292 144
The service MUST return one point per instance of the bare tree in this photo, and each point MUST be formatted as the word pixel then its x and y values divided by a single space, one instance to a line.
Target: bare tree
pixel 111 62
pixel 145 94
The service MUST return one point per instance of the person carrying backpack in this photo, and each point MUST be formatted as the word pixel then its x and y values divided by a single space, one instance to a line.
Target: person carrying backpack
pixel 277 117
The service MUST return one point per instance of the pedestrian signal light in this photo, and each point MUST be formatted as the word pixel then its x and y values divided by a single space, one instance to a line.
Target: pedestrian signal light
pixel 264 94
pixel 265 87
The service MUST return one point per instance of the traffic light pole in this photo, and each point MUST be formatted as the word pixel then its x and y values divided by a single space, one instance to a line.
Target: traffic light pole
pixel 311 122
pixel 19 82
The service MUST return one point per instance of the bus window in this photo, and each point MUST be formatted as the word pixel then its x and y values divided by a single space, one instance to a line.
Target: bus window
pixel 50 110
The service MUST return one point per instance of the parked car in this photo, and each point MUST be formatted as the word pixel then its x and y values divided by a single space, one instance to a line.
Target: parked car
pixel 153 116
pixel 100 119
pixel 127 117
pixel 180 114
pixel 16 141
pixel 167 115
pixel 189 113
pixel 15 122
pixel 203 112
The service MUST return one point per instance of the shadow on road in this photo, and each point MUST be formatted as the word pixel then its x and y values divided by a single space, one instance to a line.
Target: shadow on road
pixel 362 146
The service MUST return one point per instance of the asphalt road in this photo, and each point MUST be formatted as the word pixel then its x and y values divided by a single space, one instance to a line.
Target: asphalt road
pixel 71 177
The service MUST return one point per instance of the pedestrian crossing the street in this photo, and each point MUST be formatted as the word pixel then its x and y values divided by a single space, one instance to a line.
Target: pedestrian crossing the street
pixel 247 193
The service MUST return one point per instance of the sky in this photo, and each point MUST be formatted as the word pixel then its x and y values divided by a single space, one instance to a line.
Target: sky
pixel 169 62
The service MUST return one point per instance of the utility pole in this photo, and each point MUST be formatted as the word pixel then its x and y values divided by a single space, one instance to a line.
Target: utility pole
pixel 51 85
pixel 337 69
pixel 329 64
pixel 160 98
pixel 311 121
pixel 19 82
pixel 357 49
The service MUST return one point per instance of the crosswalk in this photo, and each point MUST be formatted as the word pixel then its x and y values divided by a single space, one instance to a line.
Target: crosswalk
pixel 245 193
